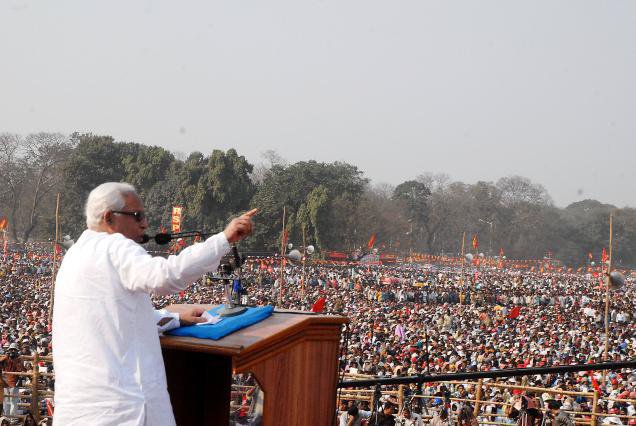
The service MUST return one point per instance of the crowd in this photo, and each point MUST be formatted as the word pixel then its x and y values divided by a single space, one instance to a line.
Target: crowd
pixel 25 277
pixel 406 319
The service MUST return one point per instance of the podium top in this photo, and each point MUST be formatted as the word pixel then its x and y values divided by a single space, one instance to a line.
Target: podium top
pixel 279 330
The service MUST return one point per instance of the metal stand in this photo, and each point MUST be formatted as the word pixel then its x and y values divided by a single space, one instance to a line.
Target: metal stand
pixel 229 309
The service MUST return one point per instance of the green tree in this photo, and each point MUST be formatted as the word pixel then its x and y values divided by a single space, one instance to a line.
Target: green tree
pixel 321 197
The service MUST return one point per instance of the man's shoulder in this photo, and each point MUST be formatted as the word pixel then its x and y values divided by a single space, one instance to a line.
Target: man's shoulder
pixel 102 240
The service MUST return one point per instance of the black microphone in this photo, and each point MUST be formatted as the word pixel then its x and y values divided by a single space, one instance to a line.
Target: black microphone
pixel 161 238
pixel 164 238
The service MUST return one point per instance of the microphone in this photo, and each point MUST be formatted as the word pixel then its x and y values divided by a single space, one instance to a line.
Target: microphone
pixel 164 238
pixel 161 238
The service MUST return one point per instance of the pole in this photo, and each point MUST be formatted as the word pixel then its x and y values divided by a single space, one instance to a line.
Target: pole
pixel 282 259
pixel 35 406
pixel 463 243
pixel 479 395
pixel 595 407
pixel 302 283
pixel 607 296
pixel 54 267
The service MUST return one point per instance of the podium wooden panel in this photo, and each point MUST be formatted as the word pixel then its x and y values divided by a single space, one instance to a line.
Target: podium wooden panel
pixel 294 358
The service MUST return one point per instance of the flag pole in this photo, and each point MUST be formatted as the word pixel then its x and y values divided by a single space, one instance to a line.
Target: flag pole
pixel 282 259
pixel 54 267
pixel 463 244
pixel 302 286
pixel 607 296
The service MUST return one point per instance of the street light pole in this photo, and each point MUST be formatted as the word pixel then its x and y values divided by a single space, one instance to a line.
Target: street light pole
pixel 607 296
pixel 490 237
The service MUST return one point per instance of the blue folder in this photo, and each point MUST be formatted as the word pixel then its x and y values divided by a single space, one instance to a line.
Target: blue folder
pixel 226 326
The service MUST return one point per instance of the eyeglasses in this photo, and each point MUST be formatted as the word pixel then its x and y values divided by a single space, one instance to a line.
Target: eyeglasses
pixel 138 215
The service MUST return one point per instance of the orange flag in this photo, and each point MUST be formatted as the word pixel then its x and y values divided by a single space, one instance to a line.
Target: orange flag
pixel 475 242
pixel 371 241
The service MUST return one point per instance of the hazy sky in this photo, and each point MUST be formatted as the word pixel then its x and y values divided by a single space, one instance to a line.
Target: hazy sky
pixel 476 89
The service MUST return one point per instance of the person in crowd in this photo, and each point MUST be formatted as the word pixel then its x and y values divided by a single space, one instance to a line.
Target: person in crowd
pixel 10 363
pixel 556 415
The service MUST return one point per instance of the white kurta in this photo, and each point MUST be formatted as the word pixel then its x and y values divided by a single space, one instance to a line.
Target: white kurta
pixel 106 353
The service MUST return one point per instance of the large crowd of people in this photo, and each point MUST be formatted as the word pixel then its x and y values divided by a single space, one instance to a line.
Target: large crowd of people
pixel 406 319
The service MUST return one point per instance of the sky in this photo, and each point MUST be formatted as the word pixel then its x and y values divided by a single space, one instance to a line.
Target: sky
pixel 475 89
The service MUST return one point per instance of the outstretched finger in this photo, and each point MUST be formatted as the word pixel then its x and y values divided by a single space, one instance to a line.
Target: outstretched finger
pixel 250 213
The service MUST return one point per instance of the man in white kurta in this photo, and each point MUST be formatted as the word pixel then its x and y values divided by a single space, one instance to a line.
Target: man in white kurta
pixel 106 351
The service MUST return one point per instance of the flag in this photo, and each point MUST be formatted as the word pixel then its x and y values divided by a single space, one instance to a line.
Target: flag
pixel 589 255
pixel 475 242
pixel 514 312
pixel 319 305
pixel 501 253
pixel 371 241
pixel 3 223
pixel 594 382
pixel 176 219
pixel 604 255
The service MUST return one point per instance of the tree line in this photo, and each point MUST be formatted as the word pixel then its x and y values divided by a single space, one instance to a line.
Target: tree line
pixel 333 205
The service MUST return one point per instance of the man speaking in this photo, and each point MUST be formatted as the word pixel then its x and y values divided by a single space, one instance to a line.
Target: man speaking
pixel 106 352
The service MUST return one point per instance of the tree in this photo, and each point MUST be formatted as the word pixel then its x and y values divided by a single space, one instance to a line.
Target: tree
pixel 413 197
pixel 321 197
pixel 13 177
pixel 30 174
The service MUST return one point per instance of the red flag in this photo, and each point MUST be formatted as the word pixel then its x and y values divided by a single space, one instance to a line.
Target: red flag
pixel 319 305
pixel 475 242
pixel 371 241
pixel 594 382
pixel 604 255
pixel 514 312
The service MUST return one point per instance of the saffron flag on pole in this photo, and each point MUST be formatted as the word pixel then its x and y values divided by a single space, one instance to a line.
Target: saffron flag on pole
pixel 371 241
pixel 475 242
pixel 3 223
pixel 604 255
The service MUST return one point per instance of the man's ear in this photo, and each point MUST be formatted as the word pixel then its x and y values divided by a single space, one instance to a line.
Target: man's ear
pixel 108 217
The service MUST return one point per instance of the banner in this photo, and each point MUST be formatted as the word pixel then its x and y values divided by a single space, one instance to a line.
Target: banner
pixel 176 219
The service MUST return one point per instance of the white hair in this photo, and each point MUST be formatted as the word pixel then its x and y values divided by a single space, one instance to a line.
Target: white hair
pixel 107 196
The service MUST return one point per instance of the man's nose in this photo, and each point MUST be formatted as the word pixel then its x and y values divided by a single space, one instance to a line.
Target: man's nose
pixel 144 223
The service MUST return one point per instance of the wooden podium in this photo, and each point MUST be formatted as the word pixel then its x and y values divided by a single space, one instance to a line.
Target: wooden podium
pixel 294 358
